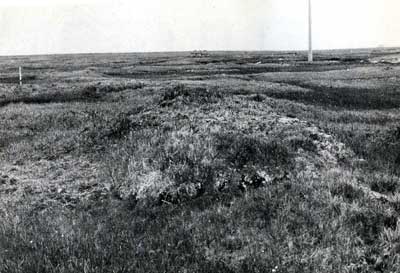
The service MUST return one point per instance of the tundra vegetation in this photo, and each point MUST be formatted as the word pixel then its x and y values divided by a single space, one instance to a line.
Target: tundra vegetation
pixel 217 162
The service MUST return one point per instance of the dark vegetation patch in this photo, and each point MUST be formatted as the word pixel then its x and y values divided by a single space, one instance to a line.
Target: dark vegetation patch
pixel 386 144
pixel 183 94
pixel 348 98
pixel 379 147
pixel 385 184
pixel 113 87
pixel 230 69
pixel 54 97
pixel 100 128
pixel 234 163
pixel 258 69
pixel 303 142
pixel 346 59
pixel 171 72
pixel 257 98
pixel 290 57
pixel 369 223
pixel 39 68
pixel 91 93
pixel 240 151
pixel 15 80
pixel 348 191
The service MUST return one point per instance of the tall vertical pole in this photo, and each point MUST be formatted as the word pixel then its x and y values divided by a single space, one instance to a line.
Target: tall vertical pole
pixel 310 50
pixel 20 76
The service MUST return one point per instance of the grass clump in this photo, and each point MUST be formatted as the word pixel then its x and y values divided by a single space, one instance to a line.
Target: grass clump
pixel 240 151
pixel 182 94
pixel 369 223
pixel 383 183
pixel 348 191
pixel 194 164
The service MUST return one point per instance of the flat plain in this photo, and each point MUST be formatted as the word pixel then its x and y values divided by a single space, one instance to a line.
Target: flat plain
pixel 201 162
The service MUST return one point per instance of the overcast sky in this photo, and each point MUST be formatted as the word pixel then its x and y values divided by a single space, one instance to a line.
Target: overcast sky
pixel 79 26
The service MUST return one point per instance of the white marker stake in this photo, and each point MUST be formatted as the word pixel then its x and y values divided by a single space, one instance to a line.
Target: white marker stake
pixel 310 51
pixel 20 76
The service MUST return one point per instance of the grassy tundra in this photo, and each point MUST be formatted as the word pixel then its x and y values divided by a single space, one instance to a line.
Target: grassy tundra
pixel 219 162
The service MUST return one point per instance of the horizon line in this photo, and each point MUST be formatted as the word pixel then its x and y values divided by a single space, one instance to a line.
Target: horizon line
pixel 194 50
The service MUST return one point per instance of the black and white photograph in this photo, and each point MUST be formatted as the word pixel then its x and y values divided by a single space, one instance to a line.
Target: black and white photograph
pixel 199 136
